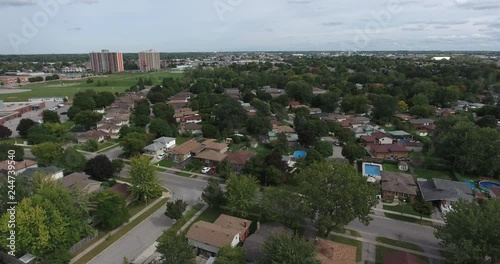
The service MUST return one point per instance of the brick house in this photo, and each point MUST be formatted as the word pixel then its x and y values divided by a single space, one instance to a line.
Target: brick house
pixel 396 151
pixel 397 185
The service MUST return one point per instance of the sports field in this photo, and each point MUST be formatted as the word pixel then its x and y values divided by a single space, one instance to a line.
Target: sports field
pixel 60 88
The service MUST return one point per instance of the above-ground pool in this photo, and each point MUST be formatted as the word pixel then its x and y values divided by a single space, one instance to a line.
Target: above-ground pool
pixel 370 169
pixel 486 185
pixel 299 154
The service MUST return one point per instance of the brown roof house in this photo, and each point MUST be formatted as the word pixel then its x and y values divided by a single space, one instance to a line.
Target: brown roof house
pixel 192 129
pixel 80 182
pixel 395 151
pixel 208 238
pixel 210 144
pixel 185 150
pixel 19 166
pixel 401 258
pixel 240 158
pixel 397 185
pixel 330 252
pixel 211 157
pixel 124 190
pixel 98 135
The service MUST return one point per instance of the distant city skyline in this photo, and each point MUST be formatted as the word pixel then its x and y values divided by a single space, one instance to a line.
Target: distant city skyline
pixel 83 26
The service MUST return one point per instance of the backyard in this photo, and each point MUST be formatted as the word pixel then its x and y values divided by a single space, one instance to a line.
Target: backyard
pixel 59 88
pixel 391 167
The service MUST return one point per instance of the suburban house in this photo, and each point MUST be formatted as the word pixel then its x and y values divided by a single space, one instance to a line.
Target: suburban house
pixel 317 91
pixel 315 111
pixel 424 124
pixel 401 258
pixel 211 157
pixel 19 166
pixel 210 144
pixel 403 117
pixel 191 119
pixel 363 120
pixel 232 92
pixel 377 138
pixel 208 238
pixel 444 192
pixel 336 117
pixel 239 158
pixel 274 92
pixel 414 146
pixel 282 129
pixel 349 123
pixel 98 135
pixel 178 103
pixel 193 129
pixel 185 150
pixel 364 130
pixel 80 182
pixel 254 244
pixel 182 113
pixel 54 173
pixel 329 252
pixel 111 129
pixel 399 186
pixel 124 190
pixel 167 142
pixel 294 103
pixel 154 149
pixel 392 151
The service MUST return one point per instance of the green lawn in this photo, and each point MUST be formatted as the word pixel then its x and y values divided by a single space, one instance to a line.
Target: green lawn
pixel 68 125
pixel 351 242
pixel 183 174
pixel 381 250
pixel 235 147
pixel 167 163
pixel 107 144
pixel 401 244
pixel 11 140
pixel 111 239
pixel 405 208
pixel 429 174
pixel 118 82
pixel 400 217
pixel 260 150
pixel 391 167
pixel 180 140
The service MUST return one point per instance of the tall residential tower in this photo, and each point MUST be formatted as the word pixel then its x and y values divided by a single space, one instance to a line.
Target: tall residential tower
pixel 106 61
pixel 149 61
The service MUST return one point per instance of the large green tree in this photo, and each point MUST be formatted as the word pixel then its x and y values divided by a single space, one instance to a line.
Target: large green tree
pixel 470 240
pixel 230 255
pixel 87 119
pixel 241 193
pixel 175 249
pixel 336 194
pixel 213 194
pixel 144 179
pixel 133 143
pixel 175 209
pixel 4 152
pixel 99 167
pixel 258 125
pixel 47 153
pixel 353 151
pixel 300 91
pixel 50 117
pixel 290 249
pixel 325 148
pixel 72 160
pixel 385 107
pixel 24 125
pixel 111 210
pixel 285 207
pixel 161 128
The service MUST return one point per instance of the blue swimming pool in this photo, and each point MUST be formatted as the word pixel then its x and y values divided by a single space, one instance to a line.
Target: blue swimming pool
pixel 299 154
pixel 372 170
pixel 486 185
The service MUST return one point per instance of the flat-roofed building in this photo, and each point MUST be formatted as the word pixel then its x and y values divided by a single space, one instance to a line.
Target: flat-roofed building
pixel 149 61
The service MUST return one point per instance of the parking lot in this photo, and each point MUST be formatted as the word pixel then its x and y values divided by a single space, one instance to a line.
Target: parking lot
pixel 36 116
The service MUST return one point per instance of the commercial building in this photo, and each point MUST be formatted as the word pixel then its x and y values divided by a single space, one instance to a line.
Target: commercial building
pixel 149 61
pixel 106 61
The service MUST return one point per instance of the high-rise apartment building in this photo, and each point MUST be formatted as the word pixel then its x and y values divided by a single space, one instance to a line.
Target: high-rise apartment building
pixel 149 61
pixel 106 61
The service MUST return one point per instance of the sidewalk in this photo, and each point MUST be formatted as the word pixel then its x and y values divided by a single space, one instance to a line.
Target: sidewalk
pixel 97 243
pixel 150 253
pixel 376 243
pixel 376 209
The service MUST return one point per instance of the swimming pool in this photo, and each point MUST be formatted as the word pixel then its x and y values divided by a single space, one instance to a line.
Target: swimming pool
pixel 486 185
pixel 372 169
pixel 299 154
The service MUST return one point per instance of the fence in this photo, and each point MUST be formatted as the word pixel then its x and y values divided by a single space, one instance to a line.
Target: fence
pixel 83 242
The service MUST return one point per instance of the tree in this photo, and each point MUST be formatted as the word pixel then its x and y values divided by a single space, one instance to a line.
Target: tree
pixel 117 165
pixel 91 145
pixel 422 207
pixel 50 117
pixel 329 189
pixel 487 121
pixel 284 207
pixel 353 151
pixel 111 210
pixel 229 114
pixel 469 240
pixel 224 169
pixel 210 131
pixel 141 120
pixel 299 91
pixel 213 194
pixel 241 193
pixel 4 152
pixel 87 119
pixel 385 107
pixel 402 106
pixel 281 143
pixel 259 125
pixel 99 167
pixel 306 137
pixel 5 132
pixel 175 209
pixel 290 249
pixel 230 255
pixel 175 249
pixel 163 111
pixel 40 134
pixel 72 160
pixel 84 100
pixel 160 128
pixel 313 156
pixel 133 143
pixel 24 125
pixel 144 179
pixel 357 104
pixel 47 153
pixel 24 188
pixel 325 148
pixel 422 111
pixel 73 111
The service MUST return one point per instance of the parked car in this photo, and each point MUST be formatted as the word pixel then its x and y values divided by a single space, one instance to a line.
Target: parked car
pixel 161 156
pixel 205 170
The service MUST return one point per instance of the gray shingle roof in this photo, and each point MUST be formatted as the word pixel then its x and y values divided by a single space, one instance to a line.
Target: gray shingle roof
pixel 438 189
pixel 155 147
pixel 254 244
pixel 164 140
pixel 398 182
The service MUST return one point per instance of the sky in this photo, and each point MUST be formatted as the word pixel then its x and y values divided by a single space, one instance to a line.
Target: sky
pixel 82 26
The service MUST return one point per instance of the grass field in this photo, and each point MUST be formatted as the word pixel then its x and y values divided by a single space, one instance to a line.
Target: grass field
pixel 167 163
pixel 429 174
pixel 116 83
pixel 401 244
pixel 390 167
pixel 179 140
pixel 405 208
pixel 260 150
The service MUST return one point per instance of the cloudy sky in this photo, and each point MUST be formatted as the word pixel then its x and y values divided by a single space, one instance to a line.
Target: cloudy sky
pixel 80 26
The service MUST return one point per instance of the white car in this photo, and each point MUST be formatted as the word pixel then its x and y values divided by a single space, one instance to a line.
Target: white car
pixel 205 170
pixel 161 156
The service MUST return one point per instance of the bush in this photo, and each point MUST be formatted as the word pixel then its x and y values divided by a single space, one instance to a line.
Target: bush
pixel 112 182
pixel 236 139
pixel 105 184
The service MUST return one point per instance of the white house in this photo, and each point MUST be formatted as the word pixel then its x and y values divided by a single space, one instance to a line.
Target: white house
pixel 167 142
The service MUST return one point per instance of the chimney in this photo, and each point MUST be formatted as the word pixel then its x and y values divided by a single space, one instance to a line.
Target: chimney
pixel 245 223
pixel 258 225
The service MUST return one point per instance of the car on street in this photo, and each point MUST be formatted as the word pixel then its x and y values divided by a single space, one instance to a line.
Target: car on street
pixel 205 170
